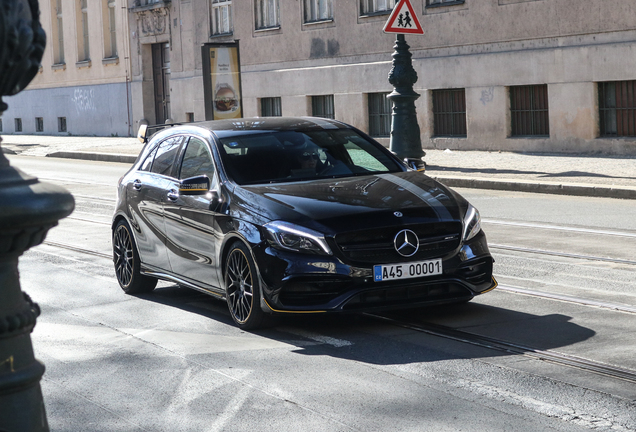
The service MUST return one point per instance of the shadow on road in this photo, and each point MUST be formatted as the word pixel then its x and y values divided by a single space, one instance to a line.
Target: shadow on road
pixel 368 339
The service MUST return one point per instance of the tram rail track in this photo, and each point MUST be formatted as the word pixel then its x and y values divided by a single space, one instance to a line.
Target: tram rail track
pixel 486 341
pixel 559 254
pixel 514 348
pixel 560 228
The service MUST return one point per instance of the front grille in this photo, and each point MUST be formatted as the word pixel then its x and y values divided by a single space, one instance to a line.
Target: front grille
pixel 398 296
pixel 377 246
pixel 306 292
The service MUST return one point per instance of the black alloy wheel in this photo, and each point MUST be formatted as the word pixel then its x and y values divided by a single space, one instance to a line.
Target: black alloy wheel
pixel 126 260
pixel 242 289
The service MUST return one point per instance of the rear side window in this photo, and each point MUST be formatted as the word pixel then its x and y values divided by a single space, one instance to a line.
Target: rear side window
pixel 196 160
pixel 148 161
pixel 166 156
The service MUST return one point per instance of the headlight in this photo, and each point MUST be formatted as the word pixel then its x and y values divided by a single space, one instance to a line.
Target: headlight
pixel 472 223
pixel 296 238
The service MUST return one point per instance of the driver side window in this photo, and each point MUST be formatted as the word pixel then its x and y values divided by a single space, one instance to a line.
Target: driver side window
pixel 196 160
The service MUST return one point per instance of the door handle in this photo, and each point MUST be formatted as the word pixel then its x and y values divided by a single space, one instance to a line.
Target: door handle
pixel 137 184
pixel 172 195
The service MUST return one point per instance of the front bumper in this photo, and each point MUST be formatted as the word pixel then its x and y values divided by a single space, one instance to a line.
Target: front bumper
pixel 303 283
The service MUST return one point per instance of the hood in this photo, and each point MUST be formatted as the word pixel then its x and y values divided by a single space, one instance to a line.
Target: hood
pixel 352 203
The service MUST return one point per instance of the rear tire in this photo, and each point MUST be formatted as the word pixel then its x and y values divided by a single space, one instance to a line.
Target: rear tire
pixel 127 263
pixel 242 288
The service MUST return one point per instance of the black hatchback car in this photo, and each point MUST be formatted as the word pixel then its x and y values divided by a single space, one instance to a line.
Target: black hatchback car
pixel 293 215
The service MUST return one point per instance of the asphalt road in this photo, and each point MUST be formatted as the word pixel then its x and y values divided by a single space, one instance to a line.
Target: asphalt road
pixel 551 349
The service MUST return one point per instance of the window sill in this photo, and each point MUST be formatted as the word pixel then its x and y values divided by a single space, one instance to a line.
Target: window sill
pixel 110 61
pixel 83 64
pixel 529 137
pixel 450 136
pixel 375 14
pixel 58 66
pixel 324 21
pixel 266 29
pixel 221 35
pixel 437 5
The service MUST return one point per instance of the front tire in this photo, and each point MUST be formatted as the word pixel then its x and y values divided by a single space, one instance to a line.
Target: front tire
pixel 127 262
pixel 242 289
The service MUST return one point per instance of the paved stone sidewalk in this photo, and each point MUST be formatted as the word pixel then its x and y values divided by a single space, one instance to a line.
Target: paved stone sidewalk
pixel 551 173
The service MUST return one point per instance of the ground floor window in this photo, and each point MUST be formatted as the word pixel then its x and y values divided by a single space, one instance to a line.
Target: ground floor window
pixel 322 106
pixel 529 110
pixel 61 124
pixel 39 124
pixel 379 115
pixel 617 105
pixel 271 107
pixel 18 125
pixel 449 113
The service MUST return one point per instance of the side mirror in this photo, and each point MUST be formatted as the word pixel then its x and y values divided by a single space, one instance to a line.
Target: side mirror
pixel 199 185
pixel 415 163
pixel 142 132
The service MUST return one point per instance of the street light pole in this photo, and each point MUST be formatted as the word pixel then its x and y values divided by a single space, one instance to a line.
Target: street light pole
pixel 28 209
pixel 405 130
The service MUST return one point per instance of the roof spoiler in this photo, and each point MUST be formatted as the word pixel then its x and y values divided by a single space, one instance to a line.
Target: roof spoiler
pixel 145 130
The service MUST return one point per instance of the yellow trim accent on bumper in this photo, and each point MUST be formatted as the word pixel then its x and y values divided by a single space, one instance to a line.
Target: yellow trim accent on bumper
pixel 492 287
pixel 296 312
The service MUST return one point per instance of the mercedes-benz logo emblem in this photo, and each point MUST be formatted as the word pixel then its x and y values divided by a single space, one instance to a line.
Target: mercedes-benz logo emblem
pixel 406 243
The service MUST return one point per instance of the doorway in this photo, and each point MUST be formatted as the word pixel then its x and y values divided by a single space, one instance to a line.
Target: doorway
pixel 161 77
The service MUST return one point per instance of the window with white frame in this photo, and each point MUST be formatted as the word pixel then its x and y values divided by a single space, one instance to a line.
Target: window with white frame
pixel 376 6
pixel 221 17
pixel 58 32
pixel 110 28
pixel 83 52
pixel 267 14
pixel 318 10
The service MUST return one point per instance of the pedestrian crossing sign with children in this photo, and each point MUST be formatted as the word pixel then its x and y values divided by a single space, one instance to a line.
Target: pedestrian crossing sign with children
pixel 403 20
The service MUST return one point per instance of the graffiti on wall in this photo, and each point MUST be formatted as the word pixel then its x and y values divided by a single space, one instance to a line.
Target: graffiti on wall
pixel 84 100
pixel 487 95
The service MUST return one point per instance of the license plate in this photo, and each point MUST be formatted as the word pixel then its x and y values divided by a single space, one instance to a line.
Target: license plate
pixel 407 270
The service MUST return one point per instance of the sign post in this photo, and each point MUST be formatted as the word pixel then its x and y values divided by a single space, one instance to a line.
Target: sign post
pixel 405 130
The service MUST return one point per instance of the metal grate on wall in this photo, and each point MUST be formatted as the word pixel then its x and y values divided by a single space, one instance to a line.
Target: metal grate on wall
pixel 529 110
pixel 449 113
pixel 379 115
pixel 271 107
pixel 322 106
pixel 617 106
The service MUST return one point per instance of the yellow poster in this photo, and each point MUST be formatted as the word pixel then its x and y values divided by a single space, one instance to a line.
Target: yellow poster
pixel 226 88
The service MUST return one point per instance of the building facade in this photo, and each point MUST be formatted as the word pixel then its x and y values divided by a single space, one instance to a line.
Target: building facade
pixel 83 87
pixel 511 75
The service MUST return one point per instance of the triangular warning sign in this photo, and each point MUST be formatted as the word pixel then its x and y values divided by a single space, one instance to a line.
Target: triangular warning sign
pixel 403 20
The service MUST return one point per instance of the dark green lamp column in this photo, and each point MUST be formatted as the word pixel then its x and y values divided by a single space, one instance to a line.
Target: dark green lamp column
pixel 28 209
pixel 405 130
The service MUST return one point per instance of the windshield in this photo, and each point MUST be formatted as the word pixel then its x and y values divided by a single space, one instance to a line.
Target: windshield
pixel 284 156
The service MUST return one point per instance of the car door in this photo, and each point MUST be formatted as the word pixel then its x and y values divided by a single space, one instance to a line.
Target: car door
pixel 191 219
pixel 146 197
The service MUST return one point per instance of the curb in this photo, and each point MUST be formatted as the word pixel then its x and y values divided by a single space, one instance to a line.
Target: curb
pixel 540 187
pixel 600 191
pixel 102 157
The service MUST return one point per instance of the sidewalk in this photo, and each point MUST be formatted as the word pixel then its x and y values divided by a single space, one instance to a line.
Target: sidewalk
pixel 600 176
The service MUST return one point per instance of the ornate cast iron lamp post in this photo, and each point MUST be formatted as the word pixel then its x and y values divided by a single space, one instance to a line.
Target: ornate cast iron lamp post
pixel 405 131
pixel 28 209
